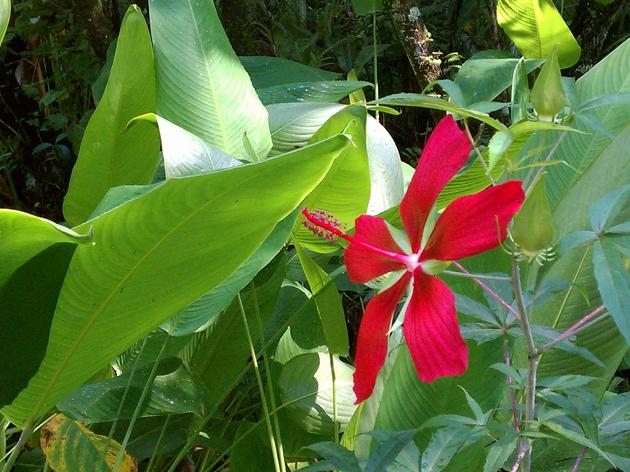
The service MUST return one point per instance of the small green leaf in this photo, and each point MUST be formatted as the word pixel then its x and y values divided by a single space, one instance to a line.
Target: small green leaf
pixel 337 456
pixel 388 445
pixel 520 92
pixel 442 447
pixel 603 211
pixel 329 306
pixel 499 453
pixel 613 283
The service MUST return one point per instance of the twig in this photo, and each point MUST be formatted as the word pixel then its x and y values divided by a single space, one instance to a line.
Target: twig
pixel 506 356
pixel 476 276
pixel 575 328
pixel 579 459
pixel 549 156
pixel 519 459
pixel 489 291
pixel 474 145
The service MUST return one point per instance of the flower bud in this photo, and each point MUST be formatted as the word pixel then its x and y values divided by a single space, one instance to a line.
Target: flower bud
pixel 547 95
pixel 534 229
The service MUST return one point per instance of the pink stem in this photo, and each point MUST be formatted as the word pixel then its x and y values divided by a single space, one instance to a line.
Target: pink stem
pixel 519 459
pixel 488 290
pixel 574 328
pixel 402 258
pixel 506 356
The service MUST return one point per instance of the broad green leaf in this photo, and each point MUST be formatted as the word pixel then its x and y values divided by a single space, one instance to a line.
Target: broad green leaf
pixel 366 7
pixel 428 101
pixel 329 91
pixel 535 27
pixel 485 75
pixel 306 383
pixel 499 453
pixel 201 85
pixel 28 300
pixel 151 259
pixel 22 236
pixel 520 92
pixel 267 72
pixel 186 154
pixel 329 306
pixel 388 445
pixel 294 124
pixel 576 437
pixel 109 155
pixel 5 16
pixel 251 454
pixel 174 391
pixel 205 309
pixel 613 283
pixel 345 192
pixel 71 447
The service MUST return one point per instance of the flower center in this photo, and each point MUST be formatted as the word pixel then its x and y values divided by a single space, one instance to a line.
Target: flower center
pixel 412 261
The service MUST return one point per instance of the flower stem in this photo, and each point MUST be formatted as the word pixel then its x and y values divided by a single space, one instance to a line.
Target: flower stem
pixel 506 357
pixel 272 396
pixel 579 459
pixel 476 276
pixel 334 398
pixel 530 403
pixel 479 155
pixel 375 46
pixel 261 388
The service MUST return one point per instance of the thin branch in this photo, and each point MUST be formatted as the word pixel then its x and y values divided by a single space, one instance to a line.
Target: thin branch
pixel 476 276
pixel 575 328
pixel 474 145
pixel 489 291
pixel 579 459
pixel 515 417
pixel 519 459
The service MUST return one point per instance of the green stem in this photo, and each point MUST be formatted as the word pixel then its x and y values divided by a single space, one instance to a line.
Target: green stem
pixel 17 449
pixel 272 396
pixel 334 397
pixel 261 388
pixel 154 455
pixel 479 155
pixel 4 424
pixel 533 359
pixel 136 412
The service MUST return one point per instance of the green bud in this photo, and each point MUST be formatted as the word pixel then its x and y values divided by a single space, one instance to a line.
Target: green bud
pixel 547 95
pixel 533 229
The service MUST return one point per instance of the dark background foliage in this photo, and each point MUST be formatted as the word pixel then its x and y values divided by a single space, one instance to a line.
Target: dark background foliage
pixel 53 66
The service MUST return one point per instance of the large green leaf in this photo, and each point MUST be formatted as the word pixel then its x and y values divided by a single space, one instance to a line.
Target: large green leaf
pixel 201 84
pixel 485 75
pixel 156 254
pixel 329 91
pixel 293 125
pixel 5 16
pixel 536 27
pixel 267 72
pixel 71 447
pixel 28 300
pixel 110 156
pixel 345 191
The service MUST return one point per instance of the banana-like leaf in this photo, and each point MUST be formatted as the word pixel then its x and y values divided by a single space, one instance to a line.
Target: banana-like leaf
pixel 306 385
pixel 156 254
pixel 201 84
pixel 329 91
pixel 71 447
pixel 294 124
pixel 109 155
pixel 5 16
pixel 266 71
pixel 536 26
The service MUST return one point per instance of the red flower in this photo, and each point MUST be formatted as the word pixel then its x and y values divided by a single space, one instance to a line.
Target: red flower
pixel 468 226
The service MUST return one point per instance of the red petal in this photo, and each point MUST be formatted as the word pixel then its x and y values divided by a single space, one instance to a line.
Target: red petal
pixel 444 154
pixel 372 339
pixel 475 223
pixel 431 330
pixel 363 264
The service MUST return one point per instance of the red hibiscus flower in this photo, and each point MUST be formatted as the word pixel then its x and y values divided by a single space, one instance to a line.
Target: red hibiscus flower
pixel 468 226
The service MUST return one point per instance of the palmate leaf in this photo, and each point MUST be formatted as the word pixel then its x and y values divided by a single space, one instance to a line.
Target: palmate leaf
pixel 201 84
pixel 156 254
pixel 110 156
pixel 536 27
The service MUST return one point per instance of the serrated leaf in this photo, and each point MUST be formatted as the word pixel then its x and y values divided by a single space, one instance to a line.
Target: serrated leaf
pixel 388 445
pixel 442 447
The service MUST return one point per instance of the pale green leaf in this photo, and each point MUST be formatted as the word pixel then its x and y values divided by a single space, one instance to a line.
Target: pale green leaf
pixel 5 16
pixel 535 27
pixel 201 84
pixel 109 155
